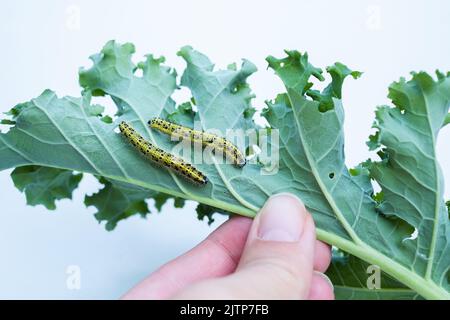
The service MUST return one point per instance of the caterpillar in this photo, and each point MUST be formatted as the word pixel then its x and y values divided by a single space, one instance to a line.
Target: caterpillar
pixel 204 138
pixel 162 157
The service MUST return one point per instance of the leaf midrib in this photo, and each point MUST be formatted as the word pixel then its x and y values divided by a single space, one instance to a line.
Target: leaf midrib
pixel 437 197
pixel 322 186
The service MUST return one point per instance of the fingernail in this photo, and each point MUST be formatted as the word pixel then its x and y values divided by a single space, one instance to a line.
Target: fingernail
pixel 282 218
pixel 323 275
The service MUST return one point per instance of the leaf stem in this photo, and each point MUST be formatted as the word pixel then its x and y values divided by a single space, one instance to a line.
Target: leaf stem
pixel 425 287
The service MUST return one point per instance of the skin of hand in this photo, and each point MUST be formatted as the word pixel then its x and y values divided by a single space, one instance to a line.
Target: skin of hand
pixel 274 256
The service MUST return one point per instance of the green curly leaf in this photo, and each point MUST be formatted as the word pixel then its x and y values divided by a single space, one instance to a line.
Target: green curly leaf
pixel 117 201
pixel 446 120
pixel 44 185
pixel 305 127
pixel 410 176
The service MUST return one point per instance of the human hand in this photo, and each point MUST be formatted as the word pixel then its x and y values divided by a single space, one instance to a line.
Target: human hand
pixel 274 256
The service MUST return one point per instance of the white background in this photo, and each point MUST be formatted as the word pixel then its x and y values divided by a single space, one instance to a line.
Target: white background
pixel 44 42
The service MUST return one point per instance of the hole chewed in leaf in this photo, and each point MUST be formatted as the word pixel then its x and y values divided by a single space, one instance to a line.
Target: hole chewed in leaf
pixel 103 107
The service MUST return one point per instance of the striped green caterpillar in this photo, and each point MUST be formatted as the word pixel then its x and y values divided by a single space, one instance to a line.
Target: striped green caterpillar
pixel 162 157
pixel 201 137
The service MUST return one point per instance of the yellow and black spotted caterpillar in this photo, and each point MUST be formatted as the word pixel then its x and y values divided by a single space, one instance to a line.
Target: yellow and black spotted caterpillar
pixel 162 157
pixel 201 137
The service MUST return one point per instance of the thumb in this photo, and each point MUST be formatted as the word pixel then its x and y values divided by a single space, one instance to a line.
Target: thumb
pixel 277 261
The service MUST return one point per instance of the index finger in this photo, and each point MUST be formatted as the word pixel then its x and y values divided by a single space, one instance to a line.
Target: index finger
pixel 217 255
